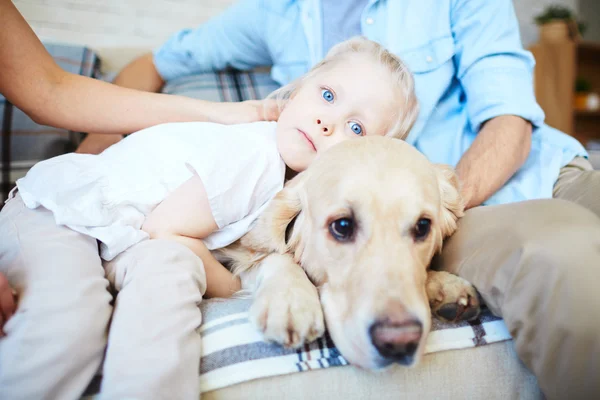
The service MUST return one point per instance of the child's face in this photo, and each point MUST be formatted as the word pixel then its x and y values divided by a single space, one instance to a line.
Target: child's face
pixel 349 99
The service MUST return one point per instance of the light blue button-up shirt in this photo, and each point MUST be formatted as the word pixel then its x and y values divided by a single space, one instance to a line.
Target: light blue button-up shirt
pixel 466 56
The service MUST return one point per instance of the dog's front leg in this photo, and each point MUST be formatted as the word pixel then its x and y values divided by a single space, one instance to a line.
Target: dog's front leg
pixel 452 298
pixel 286 307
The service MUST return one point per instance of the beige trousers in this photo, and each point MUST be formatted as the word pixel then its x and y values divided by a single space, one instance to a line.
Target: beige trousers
pixel 56 341
pixel 537 264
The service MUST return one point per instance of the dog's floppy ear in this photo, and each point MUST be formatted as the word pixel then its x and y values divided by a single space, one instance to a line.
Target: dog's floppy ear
pixel 452 203
pixel 269 232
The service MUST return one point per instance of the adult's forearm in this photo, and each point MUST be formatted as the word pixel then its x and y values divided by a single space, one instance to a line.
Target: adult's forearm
pixel 87 105
pixel 499 150
pixel 31 80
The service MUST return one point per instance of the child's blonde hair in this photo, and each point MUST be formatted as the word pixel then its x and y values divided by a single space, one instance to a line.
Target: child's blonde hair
pixel 401 77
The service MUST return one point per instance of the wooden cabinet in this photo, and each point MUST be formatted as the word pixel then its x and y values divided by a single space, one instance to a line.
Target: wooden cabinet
pixel 557 67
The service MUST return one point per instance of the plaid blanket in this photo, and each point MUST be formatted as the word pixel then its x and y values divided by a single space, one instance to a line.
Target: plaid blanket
pixel 234 352
pixel 25 142
pixel 229 85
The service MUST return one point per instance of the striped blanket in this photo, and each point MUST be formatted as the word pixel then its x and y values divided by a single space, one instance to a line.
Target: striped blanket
pixel 234 352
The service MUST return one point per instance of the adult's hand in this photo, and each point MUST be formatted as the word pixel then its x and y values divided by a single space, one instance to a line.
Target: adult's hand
pixel 245 111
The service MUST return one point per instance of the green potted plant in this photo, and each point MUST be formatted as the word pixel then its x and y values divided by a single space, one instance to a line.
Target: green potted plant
pixel 558 23
pixel 585 98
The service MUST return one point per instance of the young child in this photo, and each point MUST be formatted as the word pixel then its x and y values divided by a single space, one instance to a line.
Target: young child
pixel 157 203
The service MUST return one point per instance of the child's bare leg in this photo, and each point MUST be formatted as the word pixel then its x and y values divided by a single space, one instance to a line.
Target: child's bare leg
pixel 154 348
pixel 55 341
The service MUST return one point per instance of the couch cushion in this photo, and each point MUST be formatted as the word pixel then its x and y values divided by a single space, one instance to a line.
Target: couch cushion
pixel 486 372
pixel 234 352
pixel 230 85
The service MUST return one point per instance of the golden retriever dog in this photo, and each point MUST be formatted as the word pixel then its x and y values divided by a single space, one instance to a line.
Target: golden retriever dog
pixel 348 243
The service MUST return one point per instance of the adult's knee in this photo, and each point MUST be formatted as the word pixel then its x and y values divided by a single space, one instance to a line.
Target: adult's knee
pixel 160 255
pixel 549 276
pixel 159 261
pixel 562 241
pixel 550 297
pixel 533 246
pixel 537 264
pixel 74 321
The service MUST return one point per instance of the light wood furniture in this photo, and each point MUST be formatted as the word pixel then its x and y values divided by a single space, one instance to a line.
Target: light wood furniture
pixel 557 67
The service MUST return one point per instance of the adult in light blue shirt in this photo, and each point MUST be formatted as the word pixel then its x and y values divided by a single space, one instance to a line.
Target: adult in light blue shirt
pixel 535 262
pixel 466 56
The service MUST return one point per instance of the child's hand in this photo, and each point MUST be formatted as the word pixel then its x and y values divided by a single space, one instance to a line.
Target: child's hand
pixel 245 111
pixel 8 302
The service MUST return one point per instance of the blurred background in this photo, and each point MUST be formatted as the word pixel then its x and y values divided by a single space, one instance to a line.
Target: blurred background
pixel 103 36
pixel 567 79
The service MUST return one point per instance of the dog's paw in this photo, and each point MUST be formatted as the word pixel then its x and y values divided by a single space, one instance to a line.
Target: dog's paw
pixel 290 318
pixel 452 298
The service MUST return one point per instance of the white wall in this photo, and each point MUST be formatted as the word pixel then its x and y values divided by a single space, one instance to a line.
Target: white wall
pixel 527 9
pixel 590 13
pixel 120 29
pixel 117 29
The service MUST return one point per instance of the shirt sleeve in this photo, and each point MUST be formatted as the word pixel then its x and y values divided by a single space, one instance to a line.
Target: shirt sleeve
pixel 492 66
pixel 235 38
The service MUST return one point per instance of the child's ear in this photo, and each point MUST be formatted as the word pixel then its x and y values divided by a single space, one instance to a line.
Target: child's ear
pixel 269 232
pixel 452 203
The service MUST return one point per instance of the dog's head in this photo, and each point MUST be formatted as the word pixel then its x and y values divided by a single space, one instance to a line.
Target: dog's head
pixel 364 221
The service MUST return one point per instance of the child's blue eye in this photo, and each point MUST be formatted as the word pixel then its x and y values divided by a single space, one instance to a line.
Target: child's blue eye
pixel 356 128
pixel 327 95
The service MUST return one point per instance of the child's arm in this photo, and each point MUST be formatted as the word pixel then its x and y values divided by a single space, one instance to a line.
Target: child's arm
pixel 185 216
pixel 220 282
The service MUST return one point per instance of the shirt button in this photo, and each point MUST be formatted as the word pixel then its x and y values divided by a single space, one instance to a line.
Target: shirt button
pixel 369 21
pixel 429 59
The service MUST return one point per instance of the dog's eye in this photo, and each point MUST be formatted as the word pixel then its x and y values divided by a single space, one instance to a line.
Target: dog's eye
pixel 422 228
pixel 342 229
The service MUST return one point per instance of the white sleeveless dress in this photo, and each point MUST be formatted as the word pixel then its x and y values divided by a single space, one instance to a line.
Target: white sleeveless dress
pixel 108 196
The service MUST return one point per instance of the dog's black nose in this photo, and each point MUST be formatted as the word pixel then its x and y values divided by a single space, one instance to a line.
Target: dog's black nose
pixel 396 341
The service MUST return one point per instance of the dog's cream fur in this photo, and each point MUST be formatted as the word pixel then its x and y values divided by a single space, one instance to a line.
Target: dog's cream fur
pixel 301 276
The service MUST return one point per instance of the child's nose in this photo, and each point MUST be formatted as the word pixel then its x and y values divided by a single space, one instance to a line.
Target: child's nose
pixel 325 128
